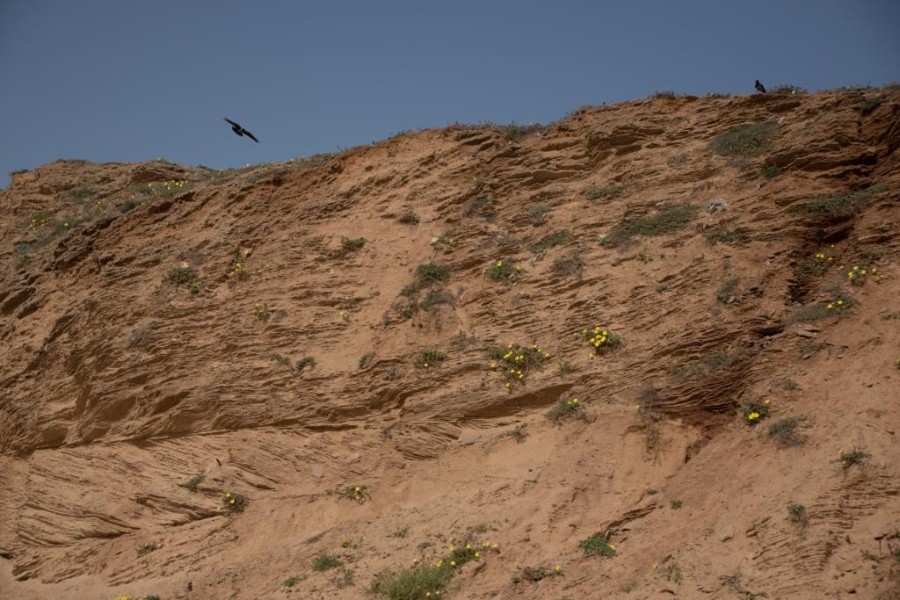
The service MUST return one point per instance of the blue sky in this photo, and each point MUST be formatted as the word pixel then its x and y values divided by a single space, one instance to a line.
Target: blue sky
pixel 116 80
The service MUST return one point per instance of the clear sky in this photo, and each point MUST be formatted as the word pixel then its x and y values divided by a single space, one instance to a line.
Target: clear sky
pixel 122 80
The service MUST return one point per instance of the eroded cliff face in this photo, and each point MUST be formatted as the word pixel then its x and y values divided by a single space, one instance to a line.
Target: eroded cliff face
pixel 157 323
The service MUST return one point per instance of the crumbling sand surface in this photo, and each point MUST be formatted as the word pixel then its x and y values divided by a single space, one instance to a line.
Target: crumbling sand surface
pixel 120 384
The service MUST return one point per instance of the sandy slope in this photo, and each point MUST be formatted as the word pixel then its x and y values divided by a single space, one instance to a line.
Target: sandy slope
pixel 119 385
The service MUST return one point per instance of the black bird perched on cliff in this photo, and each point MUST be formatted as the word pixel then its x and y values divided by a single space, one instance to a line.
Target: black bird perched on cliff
pixel 241 131
pixel 759 87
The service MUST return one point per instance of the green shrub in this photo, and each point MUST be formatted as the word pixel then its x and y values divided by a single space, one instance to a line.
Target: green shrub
pixel 349 245
pixel 727 291
pixel 770 172
pixel 551 240
pixel 357 493
pixel 482 207
pixel 503 270
pixel 235 503
pixel 324 562
pixel 730 237
pixel 184 275
pixel 306 361
pixel 854 457
pixel 437 297
pixel 366 359
pixel 535 574
pixel 755 411
pixel 870 106
pixel 566 409
pixel 195 481
pixel 538 214
pixel 409 218
pixel 840 204
pixel 797 513
pixel 415 583
pixel 666 221
pixel 785 431
pixel 430 273
pixel 598 545
pixel 787 89
pixel 147 548
pixel 429 357
pixel 610 191
pixel 745 140
pixel 569 265
pixel 517 132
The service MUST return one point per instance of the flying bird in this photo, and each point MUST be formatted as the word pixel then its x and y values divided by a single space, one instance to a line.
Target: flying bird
pixel 241 131
pixel 759 87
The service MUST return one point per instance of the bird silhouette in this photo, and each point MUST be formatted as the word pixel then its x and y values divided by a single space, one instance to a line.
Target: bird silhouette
pixel 241 131
pixel 759 87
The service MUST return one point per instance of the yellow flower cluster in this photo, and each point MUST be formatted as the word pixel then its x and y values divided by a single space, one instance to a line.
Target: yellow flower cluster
pixel 233 502
pixel 261 310
pixel 754 412
pixel 39 219
pixel 167 188
pixel 825 257
pixel 858 275
pixel 503 270
pixel 599 339
pixel 460 555
pixel 839 304
pixel 515 362
pixel 239 270
pixel 357 493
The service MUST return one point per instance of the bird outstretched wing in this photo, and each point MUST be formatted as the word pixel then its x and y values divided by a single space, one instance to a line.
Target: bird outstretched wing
pixel 233 124
pixel 250 135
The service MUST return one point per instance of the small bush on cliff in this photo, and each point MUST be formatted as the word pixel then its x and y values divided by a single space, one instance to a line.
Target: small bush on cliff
pixel 745 140
pixel 551 240
pixel 349 245
pixel 194 482
pixel 598 545
pixel 184 275
pixel 429 357
pixel 785 431
pixel 324 562
pixel 567 409
pixel 409 218
pixel 515 362
pixel 666 221
pixel 609 191
pixel 234 503
pixel 569 265
pixel 840 205
pixel 535 574
pixel 357 493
